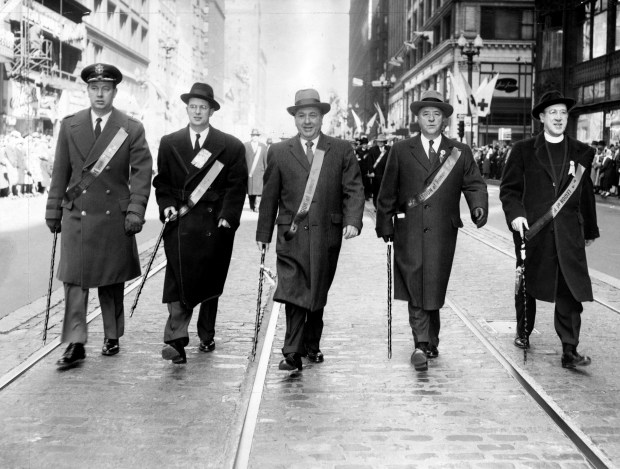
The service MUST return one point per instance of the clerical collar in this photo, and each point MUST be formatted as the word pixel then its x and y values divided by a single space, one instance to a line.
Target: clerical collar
pixel 552 139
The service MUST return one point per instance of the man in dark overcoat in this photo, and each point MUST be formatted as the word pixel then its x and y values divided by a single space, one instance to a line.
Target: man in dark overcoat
pixel 377 158
pixel 199 241
pixel 99 214
pixel 256 161
pixel 424 232
pixel 306 262
pixel 537 174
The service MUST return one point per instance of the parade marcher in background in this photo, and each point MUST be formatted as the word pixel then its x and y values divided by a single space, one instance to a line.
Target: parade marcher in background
pixel 98 194
pixel 310 223
pixel 422 217
pixel 198 159
pixel 365 164
pixel 376 159
pixel 544 171
pixel 256 161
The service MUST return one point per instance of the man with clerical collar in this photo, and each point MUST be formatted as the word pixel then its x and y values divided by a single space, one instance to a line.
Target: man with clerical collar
pixel 418 209
pixel 542 172
pixel 200 189
pixel 313 193
pixel 256 160
pixel 98 194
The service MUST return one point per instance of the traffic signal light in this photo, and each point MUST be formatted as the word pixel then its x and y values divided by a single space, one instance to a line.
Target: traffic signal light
pixel 461 129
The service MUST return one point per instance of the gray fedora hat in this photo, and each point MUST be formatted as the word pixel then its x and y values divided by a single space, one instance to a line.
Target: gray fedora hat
pixel 308 98
pixel 432 98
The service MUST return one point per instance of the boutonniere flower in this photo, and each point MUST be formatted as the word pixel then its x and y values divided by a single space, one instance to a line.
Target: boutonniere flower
pixel 571 169
pixel 442 155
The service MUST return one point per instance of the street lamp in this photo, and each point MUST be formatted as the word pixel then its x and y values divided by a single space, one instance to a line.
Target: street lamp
pixel 469 49
pixel 386 84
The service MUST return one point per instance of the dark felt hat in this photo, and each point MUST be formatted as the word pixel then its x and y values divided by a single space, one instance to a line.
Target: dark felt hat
pixel 308 98
pixel 549 99
pixel 432 98
pixel 202 91
pixel 101 72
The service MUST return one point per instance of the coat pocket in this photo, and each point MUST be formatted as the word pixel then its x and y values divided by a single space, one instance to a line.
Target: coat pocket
pixel 123 204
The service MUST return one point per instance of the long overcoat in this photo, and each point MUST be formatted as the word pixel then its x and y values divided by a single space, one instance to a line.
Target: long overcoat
pixel 306 264
pixel 425 235
pixel 527 190
pixel 197 250
pixel 255 179
pixel 95 251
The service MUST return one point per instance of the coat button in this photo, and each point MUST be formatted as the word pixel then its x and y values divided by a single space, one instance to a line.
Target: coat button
pixel 306 227
pixel 84 191
pixel 83 213
pixel 107 191
pixel 209 210
pixel 426 230
pixel 426 206
pixel 209 233
pixel 107 212
pixel 107 168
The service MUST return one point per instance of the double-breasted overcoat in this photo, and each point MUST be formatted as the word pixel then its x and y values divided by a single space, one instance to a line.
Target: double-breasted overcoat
pixel 527 190
pixel 307 263
pixel 95 251
pixel 255 177
pixel 425 235
pixel 197 250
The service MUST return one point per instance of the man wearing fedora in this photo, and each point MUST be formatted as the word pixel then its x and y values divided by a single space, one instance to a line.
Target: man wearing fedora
pixel 377 157
pixel 313 193
pixel 542 172
pixel 98 194
pixel 200 189
pixel 256 160
pixel 418 209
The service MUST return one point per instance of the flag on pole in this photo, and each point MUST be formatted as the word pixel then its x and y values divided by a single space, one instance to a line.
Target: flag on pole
pixel 471 99
pixel 381 117
pixel 358 121
pixel 459 92
pixel 484 95
pixel 371 122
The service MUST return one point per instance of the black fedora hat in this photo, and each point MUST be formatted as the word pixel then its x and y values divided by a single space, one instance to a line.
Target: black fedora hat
pixel 308 98
pixel 549 99
pixel 101 72
pixel 432 98
pixel 202 91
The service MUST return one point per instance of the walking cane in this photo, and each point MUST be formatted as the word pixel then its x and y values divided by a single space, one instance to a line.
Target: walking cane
pixel 257 322
pixel 389 297
pixel 148 267
pixel 49 288
pixel 524 300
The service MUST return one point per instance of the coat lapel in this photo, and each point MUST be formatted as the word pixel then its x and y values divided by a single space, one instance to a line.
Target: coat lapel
pixel 417 150
pixel 298 152
pixel 82 132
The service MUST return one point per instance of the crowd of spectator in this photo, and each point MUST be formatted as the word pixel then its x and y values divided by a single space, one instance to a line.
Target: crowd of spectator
pixel 605 168
pixel 491 159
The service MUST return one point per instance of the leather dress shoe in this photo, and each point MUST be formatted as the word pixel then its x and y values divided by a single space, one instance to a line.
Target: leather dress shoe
pixel 419 360
pixel 110 347
pixel 432 351
pixel 73 355
pixel 175 352
pixel 573 360
pixel 292 361
pixel 316 357
pixel 207 345
pixel 522 342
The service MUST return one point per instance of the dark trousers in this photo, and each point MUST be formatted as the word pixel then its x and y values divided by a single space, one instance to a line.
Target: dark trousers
pixel 252 200
pixel 425 325
pixel 567 317
pixel 179 317
pixel 525 304
pixel 303 330
pixel 74 327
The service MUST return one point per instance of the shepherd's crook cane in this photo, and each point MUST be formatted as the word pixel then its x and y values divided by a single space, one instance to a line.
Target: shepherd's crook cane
pixel 524 301
pixel 49 288
pixel 261 275
pixel 148 267
pixel 389 297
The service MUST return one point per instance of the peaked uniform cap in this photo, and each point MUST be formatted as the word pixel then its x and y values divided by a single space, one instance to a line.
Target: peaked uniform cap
pixel 549 99
pixel 101 72
pixel 202 91
pixel 308 98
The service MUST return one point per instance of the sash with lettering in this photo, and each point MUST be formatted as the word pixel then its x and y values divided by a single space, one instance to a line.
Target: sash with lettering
pixel 437 181
pixel 199 161
pixel 379 159
pixel 256 158
pixel 313 178
pixel 557 206
pixel 87 179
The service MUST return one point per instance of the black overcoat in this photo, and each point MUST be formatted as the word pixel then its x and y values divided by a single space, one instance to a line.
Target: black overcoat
pixel 425 235
pixel 198 252
pixel 307 263
pixel 527 190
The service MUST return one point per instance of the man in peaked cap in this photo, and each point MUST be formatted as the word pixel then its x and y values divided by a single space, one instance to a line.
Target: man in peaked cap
pixel 256 160
pixel 422 216
pixel 310 223
pixel 542 172
pixel 200 188
pixel 98 194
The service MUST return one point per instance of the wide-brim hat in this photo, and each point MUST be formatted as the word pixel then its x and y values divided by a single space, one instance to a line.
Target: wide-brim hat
pixel 308 98
pixel 202 91
pixel 381 138
pixel 101 72
pixel 432 98
pixel 549 99
pixel 254 132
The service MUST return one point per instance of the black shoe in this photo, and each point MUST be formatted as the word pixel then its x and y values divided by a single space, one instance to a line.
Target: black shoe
pixel 110 347
pixel 522 342
pixel 419 360
pixel 175 352
pixel 292 361
pixel 432 351
pixel 316 357
pixel 573 359
pixel 207 345
pixel 73 355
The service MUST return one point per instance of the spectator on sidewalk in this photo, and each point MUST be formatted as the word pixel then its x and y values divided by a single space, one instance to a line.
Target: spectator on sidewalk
pixel 422 216
pixel 99 210
pixel 314 202
pixel 256 161
pixel 537 177
pixel 200 187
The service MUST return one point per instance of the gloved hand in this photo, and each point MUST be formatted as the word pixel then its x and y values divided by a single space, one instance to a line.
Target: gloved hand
pixel 479 217
pixel 388 238
pixel 53 224
pixel 170 213
pixel 133 223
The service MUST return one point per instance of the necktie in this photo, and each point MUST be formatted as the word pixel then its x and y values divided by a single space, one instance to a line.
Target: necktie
pixel 197 144
pixel 309 153
pixel 97 128
pixel 432 154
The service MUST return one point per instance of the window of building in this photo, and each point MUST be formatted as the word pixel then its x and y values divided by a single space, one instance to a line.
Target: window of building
pixel 594 30
pixel 599 90
pixel 614 88
pixel 421 15
pixel 599 39
pixel 506 23
pixel 590 127
pixel 618 27
pixel 446 27
pixel 551 49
